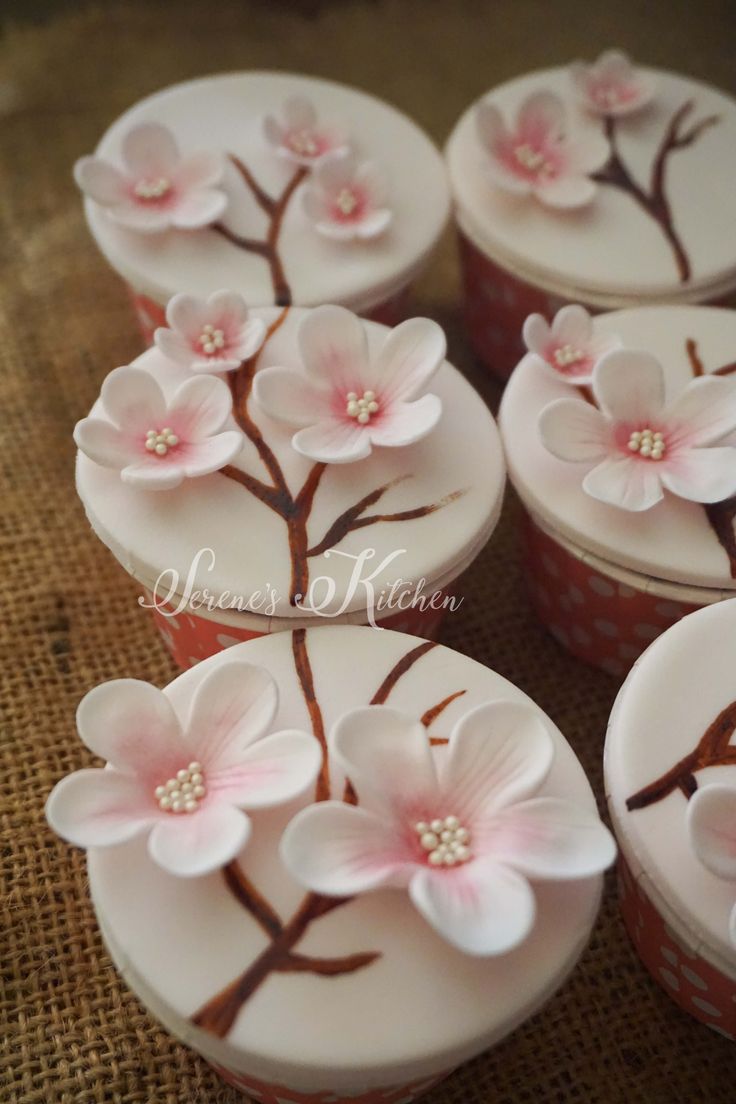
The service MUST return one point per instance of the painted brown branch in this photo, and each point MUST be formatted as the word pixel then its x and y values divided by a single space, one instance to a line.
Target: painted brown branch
pixel 433 713
pixel 713 750
pixel 327 967
pixel 268 495
pixel 306 681
pixel 249 897
pixel 725 370
pixel 241 384
pixel 691 347
pixel 266 202
pixel 344 523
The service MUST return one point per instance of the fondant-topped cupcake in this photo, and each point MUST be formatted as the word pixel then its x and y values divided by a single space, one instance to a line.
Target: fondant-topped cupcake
pixel 620 439
pixel 343 470
pixel 379 855
pixel 284 188
pixel 670 766
pixel 604 183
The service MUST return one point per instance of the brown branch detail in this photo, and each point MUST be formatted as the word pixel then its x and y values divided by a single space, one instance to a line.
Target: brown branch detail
pixel 274 209
pixel 654 200
pixel 254 902
pixel 306 681
pixel 327 967
pixel 432 714
pixel 713 750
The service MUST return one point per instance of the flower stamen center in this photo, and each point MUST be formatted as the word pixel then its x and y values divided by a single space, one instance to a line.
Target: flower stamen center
pixel 445 840
pixel 160 441
pixel 211 339
pixel 303 142
pixel 531 159
pixel 155 187
pixel 363 408
pixel 648 443
pixel 346 201
pixel 184 792
pixel 567 355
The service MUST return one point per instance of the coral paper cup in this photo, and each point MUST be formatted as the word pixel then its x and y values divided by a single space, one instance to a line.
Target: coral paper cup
pixel 667 749
pixel 278 230
pixel 606 581
pixel 613 247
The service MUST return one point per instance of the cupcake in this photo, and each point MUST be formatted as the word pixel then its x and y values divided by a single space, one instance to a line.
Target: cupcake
pixel 624 458
pixel 261 470
pixel 605 184
pixel 285 188
pixel 339 863
pixel 670 769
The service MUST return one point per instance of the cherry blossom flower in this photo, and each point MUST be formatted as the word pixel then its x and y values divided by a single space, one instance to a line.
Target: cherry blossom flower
pixel 639 446
pixel 460 830
pixel 711 824
pixel 612 85
pixel 536 157
pixel 210 335
pixel 346 200
pixel 157 187
pixel 346 401
pixel 300 136
pixel 155 444
pixel 185 784
pixel 568 346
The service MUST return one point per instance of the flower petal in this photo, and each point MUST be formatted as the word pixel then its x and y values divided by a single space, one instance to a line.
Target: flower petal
pixel 288 396
pixel 565 192
pixel 232 707
pixel 229 306
pixel 334 348
pixel 199 407
pixel 154 474
pixel 132 399
pixel 333 441
pixel 711 825
pixel 252 336
pixel 404 423
pixel 341 850
pixel 150 148
pixel 273 131
pixel 99 808
pixel 132 725
pixel 143 220
pixel 410 355
pixel 550 838
pixel 104 443
pixel 197 843
pixel 198 208
pixel 483 908
pixel 506 180
pixel 629 385
pixel 174 346
pixel 586 155
pixel 701 474
pixel 99 180
pixel 200 170
pixel 536 333
pixel 374 223
pixel 299 113
pixel 373 178
pixel 572 325
pixel 269 772
pixel 541 117
pixel 622 481
pixel 387 757
pixel 205 457
pixel 704 411
pixel 498 753
pixel 489 125
pixel 574 430
pixel 187 314
pixel 334 173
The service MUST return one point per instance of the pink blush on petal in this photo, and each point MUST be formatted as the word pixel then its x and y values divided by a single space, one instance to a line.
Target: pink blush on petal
pixel 581 367
pixel 352 195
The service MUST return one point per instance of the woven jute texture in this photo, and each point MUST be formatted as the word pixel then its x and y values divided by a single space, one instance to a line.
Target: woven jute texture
pixel 72 1032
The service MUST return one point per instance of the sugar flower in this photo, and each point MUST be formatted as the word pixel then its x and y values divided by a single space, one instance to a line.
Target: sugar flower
pixel 300 136
pixel 346 401
pixel 157 188
pixel 612 85
pixel 155 443
pixel 210 335
pixel 711 823
pixel 183 784
pixel 636 445
pixel 535 156
pixel 461 832
pixel 346 200
pixel 569 346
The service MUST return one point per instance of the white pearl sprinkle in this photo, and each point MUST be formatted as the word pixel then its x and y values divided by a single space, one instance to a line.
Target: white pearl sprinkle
pixel 361 408
pixel 303 143
pixel 444 840
pixel 346 201
pixel 567 355
pixel 648 443
pixel 531 158
pixel 181 794
pixel 155 188
pixel 211 339
pixel 160 441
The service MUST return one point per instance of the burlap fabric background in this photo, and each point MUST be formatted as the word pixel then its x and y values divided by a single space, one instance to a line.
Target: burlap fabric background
pixel 73 1033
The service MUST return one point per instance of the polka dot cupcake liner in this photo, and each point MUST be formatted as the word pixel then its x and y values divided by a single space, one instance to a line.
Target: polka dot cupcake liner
pixel 694 983
pixel 263 1093
pixel 598 618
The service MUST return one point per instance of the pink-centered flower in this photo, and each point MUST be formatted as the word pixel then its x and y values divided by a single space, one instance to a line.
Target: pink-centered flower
pixel 536 156
pixel 711 823
pixel 568 346
pixel 612 85
pixel 155 443
pixel 346 200
pixel 300 136
pixel 157 188
pixel 210 335
pixel 459 828
pixel 636 445
pixel 346 401
pixel 185 784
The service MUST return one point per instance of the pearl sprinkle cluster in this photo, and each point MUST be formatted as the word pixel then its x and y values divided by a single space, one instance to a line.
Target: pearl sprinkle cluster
pixel 567 355
pixel 362 409
pixel 184 793
pixel 303 143
pixel 648 443
pixel 346 201
pixel 446 841
pixel 152 189
pixel 160 441
pixel 211 339
pixel 531 159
